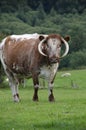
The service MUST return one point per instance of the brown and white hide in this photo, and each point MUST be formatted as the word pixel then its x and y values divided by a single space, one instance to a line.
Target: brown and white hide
pixel 32 56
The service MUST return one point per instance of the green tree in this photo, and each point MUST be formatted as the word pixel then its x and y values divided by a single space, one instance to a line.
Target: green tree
pixel 52 12
pixel 78 59
pixel 78 39
pixel 41 12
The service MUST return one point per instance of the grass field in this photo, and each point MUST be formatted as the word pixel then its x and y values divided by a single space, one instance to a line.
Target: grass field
pixel 68 112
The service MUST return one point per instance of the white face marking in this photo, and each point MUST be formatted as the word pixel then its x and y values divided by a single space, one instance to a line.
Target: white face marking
pixel 54 46
pixel 54 43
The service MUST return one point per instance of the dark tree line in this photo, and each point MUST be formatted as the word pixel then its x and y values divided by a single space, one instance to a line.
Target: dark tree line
pixel 60 6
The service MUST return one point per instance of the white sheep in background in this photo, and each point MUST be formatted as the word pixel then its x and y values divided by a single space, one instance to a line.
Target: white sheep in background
pixel 66 75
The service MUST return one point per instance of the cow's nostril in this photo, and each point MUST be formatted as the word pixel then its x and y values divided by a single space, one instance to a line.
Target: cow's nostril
pixel 54 60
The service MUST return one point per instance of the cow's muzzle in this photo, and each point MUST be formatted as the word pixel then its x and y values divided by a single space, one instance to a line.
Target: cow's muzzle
pixel 54 60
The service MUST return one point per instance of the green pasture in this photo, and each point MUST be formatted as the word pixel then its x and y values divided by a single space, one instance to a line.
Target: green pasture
pixel 68 112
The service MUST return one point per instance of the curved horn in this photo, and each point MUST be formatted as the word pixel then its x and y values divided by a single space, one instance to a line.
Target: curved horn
pixel 40 47
pixel 67 48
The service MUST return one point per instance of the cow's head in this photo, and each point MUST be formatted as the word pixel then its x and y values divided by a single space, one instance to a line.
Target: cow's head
pixel 50 46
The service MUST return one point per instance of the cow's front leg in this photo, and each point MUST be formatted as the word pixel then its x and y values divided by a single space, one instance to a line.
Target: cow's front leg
pixel 51 81
pixel 51 96
pixel 35 96
pixel 36 87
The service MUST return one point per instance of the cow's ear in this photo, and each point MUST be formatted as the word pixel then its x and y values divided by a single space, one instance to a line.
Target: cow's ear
pixel 67 38
pixel 41 38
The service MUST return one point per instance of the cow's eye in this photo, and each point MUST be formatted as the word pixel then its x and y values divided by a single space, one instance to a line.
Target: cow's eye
pixel 42 47
pixel 58 46
pixel 46 47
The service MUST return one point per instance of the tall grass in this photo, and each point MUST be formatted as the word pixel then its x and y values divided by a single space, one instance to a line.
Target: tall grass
pixel 68 112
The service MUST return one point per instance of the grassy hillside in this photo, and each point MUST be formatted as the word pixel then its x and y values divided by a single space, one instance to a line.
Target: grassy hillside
pixel 68 112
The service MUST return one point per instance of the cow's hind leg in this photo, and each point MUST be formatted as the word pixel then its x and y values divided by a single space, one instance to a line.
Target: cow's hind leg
pixel 13 82
pixel 14 89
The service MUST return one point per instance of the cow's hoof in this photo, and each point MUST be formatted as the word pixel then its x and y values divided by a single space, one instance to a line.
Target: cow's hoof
pixel 35 98
pixel 51 98
pixel 16 98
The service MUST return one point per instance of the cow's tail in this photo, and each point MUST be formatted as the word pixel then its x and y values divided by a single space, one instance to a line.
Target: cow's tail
pixel 1 47
pixel 1 58
pixel 2 42
pixel 0 51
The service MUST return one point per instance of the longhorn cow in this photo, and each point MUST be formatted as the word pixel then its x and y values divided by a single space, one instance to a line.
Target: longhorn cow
pixel 32 55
